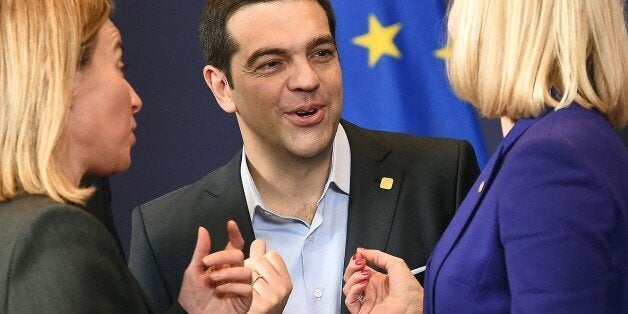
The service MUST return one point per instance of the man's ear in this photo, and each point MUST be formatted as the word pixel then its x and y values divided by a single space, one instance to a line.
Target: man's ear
pixel 217 82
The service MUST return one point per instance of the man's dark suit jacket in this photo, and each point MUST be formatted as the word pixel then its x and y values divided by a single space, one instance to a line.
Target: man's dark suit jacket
pixel 56 258
pixel 431 178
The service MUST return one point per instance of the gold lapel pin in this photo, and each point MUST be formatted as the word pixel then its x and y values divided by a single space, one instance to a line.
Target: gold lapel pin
pixel 386 183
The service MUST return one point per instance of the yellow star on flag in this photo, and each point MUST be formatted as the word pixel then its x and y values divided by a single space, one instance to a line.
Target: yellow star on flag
pixel 379 40
pixel 443 53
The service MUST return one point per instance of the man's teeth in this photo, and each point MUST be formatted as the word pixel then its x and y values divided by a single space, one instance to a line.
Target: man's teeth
pixel 306 113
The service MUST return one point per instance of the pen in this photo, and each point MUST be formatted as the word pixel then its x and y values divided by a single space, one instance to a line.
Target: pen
pixel 418 270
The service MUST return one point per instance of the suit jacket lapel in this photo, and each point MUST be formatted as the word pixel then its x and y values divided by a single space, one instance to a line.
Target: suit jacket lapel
pixel 371 208
pixel 469 206
pixel 224 200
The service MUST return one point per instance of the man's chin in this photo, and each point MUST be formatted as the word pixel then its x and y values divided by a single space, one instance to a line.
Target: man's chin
pixel 316 147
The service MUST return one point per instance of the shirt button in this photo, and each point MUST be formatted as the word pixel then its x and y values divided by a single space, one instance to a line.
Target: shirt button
pixel 310 238
pixel 318 293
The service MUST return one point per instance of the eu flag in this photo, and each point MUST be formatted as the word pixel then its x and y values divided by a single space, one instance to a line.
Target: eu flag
pixel 392 54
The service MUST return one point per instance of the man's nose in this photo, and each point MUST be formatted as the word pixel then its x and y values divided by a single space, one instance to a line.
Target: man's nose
pixel 304 77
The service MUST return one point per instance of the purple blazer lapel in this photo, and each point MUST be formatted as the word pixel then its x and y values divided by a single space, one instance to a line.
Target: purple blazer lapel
pixel 467 209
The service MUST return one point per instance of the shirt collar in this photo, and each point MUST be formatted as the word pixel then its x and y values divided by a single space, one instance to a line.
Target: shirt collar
pixel 340 172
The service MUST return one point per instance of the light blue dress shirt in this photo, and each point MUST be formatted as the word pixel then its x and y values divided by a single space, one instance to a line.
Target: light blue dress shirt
pixel 314 254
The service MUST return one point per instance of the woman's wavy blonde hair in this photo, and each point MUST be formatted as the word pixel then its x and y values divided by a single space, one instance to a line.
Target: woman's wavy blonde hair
pixel 43 43
pixel 515 57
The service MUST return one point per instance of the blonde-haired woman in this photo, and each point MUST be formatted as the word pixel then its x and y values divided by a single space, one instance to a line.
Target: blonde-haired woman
pixel 545 228
pixel 67 110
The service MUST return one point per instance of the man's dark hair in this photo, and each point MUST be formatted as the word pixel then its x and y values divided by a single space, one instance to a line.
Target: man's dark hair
pixel 218 45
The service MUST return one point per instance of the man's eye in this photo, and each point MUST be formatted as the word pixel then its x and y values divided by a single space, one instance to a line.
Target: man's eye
pixel 324 54
pixel 270 65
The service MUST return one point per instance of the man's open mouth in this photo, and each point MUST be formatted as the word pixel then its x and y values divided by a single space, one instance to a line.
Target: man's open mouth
pixel 307 113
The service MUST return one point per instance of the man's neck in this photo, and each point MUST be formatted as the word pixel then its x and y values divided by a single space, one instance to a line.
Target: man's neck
pixel 290 185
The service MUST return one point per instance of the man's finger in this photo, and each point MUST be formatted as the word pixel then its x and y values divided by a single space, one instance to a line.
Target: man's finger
pixel 258 248
pixel 230 257
pixel 236 241
pixel 263 268
pixel 232 274
pixel 241 289
pixel 203 246
pixel 275 260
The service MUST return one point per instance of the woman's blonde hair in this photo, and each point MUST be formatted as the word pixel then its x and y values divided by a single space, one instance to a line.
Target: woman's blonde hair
pixel 43 43
pixel 513 57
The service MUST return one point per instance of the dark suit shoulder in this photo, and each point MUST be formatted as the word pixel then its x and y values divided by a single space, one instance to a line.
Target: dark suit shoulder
pixel 407 148
pixel 213 183
pixel 62 259
pixel 21 210
pixel 14 215
pixel 30 218
pixel 22 213
pixel 175 198
pixel 420 144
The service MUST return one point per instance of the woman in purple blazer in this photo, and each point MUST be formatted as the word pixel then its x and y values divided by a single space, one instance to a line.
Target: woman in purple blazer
pixel 545 228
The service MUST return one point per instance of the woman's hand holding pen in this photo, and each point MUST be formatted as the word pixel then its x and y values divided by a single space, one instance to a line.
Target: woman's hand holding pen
pixel 368 290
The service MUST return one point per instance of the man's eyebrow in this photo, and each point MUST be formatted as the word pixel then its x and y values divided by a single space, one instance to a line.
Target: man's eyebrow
pixel 264 52
pixel 321 41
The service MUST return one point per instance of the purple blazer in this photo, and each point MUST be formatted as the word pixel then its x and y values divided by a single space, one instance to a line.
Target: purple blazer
pixel 545 227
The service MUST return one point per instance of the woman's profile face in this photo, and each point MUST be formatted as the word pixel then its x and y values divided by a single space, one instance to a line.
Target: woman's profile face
pixel 100 124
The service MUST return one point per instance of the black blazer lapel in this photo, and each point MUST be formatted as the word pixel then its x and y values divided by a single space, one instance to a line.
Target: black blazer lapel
pixel 371 207
pixel 224 201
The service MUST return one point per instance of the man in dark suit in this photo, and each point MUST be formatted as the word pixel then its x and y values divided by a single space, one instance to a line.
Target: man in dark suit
pixel 313 187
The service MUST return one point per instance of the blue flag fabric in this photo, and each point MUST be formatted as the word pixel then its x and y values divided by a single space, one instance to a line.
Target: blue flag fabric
pixel 394 74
